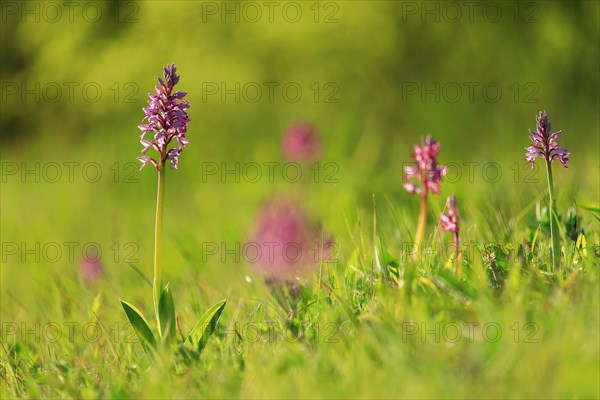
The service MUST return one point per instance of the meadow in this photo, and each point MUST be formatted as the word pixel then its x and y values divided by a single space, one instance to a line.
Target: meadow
pixel 375 317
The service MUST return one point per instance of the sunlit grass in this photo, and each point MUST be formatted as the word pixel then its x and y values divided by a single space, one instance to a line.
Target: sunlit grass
pixel 374 324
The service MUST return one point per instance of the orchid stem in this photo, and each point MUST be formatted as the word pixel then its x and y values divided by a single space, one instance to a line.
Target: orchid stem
pixel 156 284
pixel 554 234
pixel 457 265
pixel 420 226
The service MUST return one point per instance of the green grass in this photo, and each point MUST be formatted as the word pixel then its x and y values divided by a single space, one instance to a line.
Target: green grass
pixel 352 331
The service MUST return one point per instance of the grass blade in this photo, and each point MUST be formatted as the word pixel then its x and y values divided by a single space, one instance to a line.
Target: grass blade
pixel 590 207
pixel 140 273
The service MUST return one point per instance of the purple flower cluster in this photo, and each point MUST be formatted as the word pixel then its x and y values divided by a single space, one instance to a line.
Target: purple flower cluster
pixel 426 168
pixel 450 220
pixel 544 143
pixel 167 120
pixel 301 143
pixel 288 244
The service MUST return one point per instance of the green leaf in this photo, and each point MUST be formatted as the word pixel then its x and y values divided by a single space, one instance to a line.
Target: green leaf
pixel 206 326
pixel 140 325
pixel 166 314
pixel 591 207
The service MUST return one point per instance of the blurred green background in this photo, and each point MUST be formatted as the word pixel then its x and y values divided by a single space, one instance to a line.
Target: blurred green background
pixel 374 77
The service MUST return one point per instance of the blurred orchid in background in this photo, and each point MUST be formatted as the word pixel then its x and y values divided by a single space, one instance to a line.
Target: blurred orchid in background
pixel 288 244
pixel 426 169
pixel 90 269
pixel 301 143
pixel 450 222
pixel 428 173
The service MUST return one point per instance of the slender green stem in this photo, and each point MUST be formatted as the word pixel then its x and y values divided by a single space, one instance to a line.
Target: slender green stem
pixel 420 225
pixel 554 233
pixel 457 264
pixel 156 284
